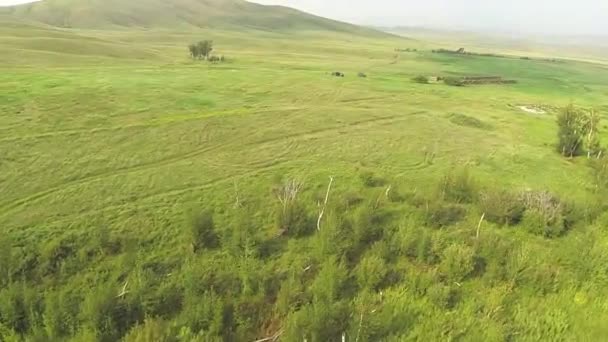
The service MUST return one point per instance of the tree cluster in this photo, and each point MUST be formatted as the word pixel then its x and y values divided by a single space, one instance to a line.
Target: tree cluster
pixel 201 50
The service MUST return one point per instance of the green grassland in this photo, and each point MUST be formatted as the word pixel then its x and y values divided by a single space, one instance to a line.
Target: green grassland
pixel 110 139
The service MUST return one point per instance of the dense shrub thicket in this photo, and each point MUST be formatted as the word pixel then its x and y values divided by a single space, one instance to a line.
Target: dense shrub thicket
pixel 384 265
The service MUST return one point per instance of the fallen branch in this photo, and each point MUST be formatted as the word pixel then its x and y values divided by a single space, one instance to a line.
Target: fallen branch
pixel 322 212
pixel 271 338
pixel 479 225
pixel 388 191
pixel 124 290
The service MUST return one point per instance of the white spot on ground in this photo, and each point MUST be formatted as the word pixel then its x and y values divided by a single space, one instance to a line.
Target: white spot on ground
pixel 532 110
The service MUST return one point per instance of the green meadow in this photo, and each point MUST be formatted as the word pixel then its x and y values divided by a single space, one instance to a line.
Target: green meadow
pixel 140 190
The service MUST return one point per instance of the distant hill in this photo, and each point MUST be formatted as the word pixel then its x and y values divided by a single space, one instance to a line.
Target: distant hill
pixel 108 14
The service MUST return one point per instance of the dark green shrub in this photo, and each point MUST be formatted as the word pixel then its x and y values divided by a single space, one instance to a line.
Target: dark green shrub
pixel 289 296
pixel 164 300
pixel 335 237
pixel 156 330
pixel 501 207
pixel 317 322
pixel 370 180
pixel 351 199
pixel 497 253
pixel 454 81
pixel 467 121
pixel 421 79
pixel 6 261
pixel 440 215
pixel 202 231
pixel 445 297
pixel 54 253
pixel 100 312
pixel 13 309
pixel 8 335
pixel 420 281
pixel 293 220
pixel 458 187
pixel 241 239
pixel 457 262
pixel 105 243
pixel 537 223
pixel 60 316
pixel 416 242
pixel 365 227
pixel 371 272
pixel 394 195
pixel 204 311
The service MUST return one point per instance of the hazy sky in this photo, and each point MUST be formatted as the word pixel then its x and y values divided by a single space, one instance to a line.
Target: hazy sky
pixel 13 2
pixel 517 16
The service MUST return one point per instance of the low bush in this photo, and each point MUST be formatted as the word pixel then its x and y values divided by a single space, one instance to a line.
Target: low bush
pixel 6 261
pixel 440 215
pixel 537 223
pixel 369 179
pixel 458 187
pixel 202 231
pixel 545 214
pixel 445 297
pixel 501 207
pixel 415 242
pixel 421 79
pixel 293 220
pixel 365 227
pixel 467 121
pixel 454 81
pixel 54 254
pixel 371 272
pixel 457 262
pixel 152 330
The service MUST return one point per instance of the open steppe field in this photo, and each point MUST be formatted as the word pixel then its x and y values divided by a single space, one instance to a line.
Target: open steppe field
pixel 111 141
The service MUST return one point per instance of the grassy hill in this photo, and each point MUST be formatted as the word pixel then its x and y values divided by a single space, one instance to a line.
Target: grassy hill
pixel 173 14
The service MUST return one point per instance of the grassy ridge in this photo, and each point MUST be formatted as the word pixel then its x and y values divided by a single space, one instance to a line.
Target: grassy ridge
pixel 112 139
pixel 184 14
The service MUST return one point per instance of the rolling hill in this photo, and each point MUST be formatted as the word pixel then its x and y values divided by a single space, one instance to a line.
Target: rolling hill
pixel 225 14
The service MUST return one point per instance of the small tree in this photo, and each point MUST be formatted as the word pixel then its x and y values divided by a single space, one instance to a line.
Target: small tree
pixel 193 50
pixel 592 140
pixel 571 127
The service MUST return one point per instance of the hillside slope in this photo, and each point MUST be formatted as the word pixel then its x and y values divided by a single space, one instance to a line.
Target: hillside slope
pixel 104 14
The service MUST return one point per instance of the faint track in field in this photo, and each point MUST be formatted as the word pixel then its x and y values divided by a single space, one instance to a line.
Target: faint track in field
pixel 75 132
pixel 7 207
pixel 172 192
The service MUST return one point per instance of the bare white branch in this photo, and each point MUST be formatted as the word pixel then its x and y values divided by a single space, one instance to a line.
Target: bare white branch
pixel 322 212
